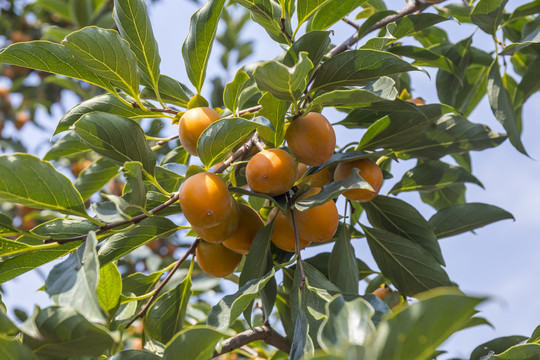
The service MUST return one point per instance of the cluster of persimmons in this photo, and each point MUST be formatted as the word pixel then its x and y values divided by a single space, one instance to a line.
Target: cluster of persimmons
pixel 227 227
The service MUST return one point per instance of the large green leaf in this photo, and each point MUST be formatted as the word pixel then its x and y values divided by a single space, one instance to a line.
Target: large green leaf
pixel 94 177
pixel 285 83
pixel 68 145
pixel 433 175
pixel 461 218
pixel 133 22
pixel 358 67
pixel 198 44
pixel 347 323
pixel 425 57
pixel 6 226
pixel 109 287
pixel 195 343
pixel 487 14
pixel 496 346
pixel 532 38
pixel 267 13
pixel 502 107
pixel 233 89
pixel 74 281
pixel 166 316
pixel 134 355
pixel 228 309
pixel 416 331
pixel 106 103
pixel 12 349
pixel 521 352
pixel 67 334
pixel 399 217
pixel 123 243
pixel 315 43
pixel 307 8
pixel 331 12
pixel 412 23
pixel 222 136
pixel 274 110
pixel 117 138
pixel 171 91
pixel 342 266
pixel 53 58
pixel 105 53
pixel 411 268
pixel 27 180
pixel 302 344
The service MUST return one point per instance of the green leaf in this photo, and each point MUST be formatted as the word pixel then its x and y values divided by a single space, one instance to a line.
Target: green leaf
pixel 67 333
pixel 134 174
pixel 74 281
pixel 425 57
pixel 171 91
pixel 106 103
pixel 307 8
pixel 412 23
pixel 59 228
pixel 10 247
pixel 358 67
pixel 27 180
pixel 81 11
pixel 12 349
pixel 109 287
pixel 70 144
pixel 530 8
pixel 58 6
pixel 461 218
pixel 347 323
pixel 94 177
pixel 532 38
pixel 496 346
pixel 502 107
pixel 330 13
pixel 139 283
pixel 196 343
pixel 411 268
pixel 333 190
pixel 399 217
pixel 53 58
pixel 223 135
pixel 166 316
pixel 487 14
pixel 6 326
pixel 228 309
pixel 117 138
pixel 274 110
pixel 342 266
pixel 535 337
pixel 233 89
pixel 133 22
pixel 285 83
pixel 315 43
pixel 123 243
pixel 6 226
pixel 267 14
pixel 302 344
pixel 198 44
pixel 134 355
pixel 106 54
pixel 417 331
pixel 433 175
pixel 382 89
pixel 521 352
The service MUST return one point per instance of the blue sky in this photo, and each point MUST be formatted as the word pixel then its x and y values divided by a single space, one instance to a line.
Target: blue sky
pixel 499 261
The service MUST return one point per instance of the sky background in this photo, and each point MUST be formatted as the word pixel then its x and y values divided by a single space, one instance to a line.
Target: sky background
pixel 499 261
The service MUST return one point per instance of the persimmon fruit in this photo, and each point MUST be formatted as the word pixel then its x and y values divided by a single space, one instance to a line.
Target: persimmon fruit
pixel 272 172
pixel 205 200
pixel 368 170
pixel 283 234
pixel 216 260
pixel 220 232
pixel 249 225
pixel 192 124
pixel 311 139
pixel 382 292
pixel 319 223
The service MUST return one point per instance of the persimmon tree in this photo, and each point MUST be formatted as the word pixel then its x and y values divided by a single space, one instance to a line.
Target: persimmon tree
pixel 154 218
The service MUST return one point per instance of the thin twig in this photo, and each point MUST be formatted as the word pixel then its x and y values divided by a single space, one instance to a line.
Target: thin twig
pixel 466 3
pixel 164 141
pixel 258 142
pixel 297 246
pixel 244 149
pixel 265 333
pixel 167 110
pixel 160 287
pixel 285 32
pixel 353 24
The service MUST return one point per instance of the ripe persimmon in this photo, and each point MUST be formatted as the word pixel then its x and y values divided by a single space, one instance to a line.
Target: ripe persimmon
pixel 220 232
pixel 368 170
pixel 283 234
pixel 205 200
pixel 311 139
pixel 318 179
pixel 271 172
pixel 382 292
pixel 216 260
pixel 192 124
pixel 21 118
pixel 317 224
pixel 249 225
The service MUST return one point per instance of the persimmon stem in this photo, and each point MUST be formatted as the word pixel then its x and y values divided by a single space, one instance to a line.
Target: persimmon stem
pixel 160 287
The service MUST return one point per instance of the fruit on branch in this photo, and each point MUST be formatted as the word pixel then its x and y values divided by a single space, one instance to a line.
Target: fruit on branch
pixel 382 292
pixel 311 139
pixel 78 166
pixel 272 172
pixel 216 260
pixel 318 179
pixel 205 200
pixel 221 231
pixel 21 118
pixel 319 223
pixel 192 124
pixel 368 170
pixel 250 224
pixel 283 234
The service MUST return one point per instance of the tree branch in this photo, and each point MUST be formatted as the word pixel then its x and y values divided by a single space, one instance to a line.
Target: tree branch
pixel 265 333
pixel 297 245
